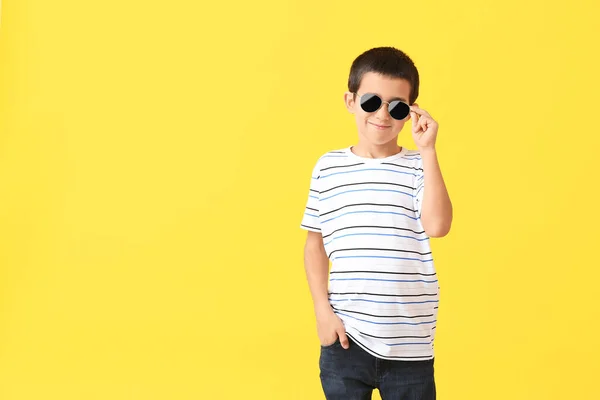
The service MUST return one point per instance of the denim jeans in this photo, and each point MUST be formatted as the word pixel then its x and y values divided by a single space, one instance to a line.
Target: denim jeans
pixel 352 374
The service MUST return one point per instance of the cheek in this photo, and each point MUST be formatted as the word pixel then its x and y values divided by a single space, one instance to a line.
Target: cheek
pixel 400 124
pixel 362 117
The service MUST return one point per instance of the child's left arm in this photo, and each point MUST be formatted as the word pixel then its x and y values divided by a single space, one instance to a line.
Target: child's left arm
pixel 436 211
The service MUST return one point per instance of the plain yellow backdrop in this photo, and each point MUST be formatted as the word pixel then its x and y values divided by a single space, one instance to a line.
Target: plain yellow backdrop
pixel 155 160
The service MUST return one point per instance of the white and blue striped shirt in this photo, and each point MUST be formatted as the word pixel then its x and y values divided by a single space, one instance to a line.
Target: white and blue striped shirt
pixel 382 283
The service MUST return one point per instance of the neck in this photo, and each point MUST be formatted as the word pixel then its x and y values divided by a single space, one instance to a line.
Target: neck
pixel 369 150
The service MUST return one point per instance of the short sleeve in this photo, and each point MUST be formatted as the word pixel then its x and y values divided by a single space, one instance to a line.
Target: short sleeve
pixel 310 220
pixel 419 187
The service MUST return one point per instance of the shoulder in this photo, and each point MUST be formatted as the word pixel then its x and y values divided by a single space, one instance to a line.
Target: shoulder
pixel 413 159
pixel 412 153
pixel 330 159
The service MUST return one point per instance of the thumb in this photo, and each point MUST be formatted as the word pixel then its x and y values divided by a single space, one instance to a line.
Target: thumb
pixel 415 121
pixel 343 338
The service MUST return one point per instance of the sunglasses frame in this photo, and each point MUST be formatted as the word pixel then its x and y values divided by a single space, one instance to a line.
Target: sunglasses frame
pixel 381 105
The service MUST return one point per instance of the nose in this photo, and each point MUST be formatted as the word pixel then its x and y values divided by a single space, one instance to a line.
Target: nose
pixel 383 113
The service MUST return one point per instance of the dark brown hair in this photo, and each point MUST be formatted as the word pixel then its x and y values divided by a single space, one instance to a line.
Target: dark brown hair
pixel 387 61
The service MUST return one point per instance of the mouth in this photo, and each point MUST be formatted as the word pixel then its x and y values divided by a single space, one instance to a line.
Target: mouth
pixel 381 127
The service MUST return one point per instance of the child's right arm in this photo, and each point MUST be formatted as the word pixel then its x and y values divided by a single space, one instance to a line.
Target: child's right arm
pixel 316 264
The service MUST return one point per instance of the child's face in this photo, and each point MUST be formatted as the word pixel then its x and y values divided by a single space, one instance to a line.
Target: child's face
pixel 379 128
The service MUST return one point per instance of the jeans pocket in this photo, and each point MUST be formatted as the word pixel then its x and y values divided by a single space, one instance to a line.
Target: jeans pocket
pixel 334 344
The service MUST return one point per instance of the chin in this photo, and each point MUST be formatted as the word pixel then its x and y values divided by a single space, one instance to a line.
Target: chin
pixel 380 140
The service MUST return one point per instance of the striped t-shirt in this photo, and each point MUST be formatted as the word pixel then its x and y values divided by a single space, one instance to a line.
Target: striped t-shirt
pixel 382 283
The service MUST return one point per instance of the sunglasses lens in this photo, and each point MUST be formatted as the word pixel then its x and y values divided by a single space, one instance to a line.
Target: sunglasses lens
pixel 370 102
pixel 399 110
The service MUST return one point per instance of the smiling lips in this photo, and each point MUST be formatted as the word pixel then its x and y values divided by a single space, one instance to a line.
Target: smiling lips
pixel 379 127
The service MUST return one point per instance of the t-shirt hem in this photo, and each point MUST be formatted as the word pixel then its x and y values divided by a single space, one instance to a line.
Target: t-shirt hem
pixel 310 228
pixel 396 358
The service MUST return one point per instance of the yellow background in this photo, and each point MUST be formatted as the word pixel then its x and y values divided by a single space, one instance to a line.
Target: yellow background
pixel 155 160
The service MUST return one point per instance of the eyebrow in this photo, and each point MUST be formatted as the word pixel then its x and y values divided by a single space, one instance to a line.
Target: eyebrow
pixel 390 100
pixel 398 98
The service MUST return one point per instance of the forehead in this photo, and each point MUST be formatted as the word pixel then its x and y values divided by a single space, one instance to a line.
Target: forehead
pixel 386 87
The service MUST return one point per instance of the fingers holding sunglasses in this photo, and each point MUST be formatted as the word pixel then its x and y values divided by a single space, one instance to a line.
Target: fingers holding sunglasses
pixel 424 128
pixel 426 124
pixel 414 117
pixel 415 108
pixel 421 125
pixel 422 120
pixel 415 121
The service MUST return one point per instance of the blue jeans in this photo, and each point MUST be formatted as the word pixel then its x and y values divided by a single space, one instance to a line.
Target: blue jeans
pixel 352 374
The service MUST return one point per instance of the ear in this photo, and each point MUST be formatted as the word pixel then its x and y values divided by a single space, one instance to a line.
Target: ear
pixel 349 101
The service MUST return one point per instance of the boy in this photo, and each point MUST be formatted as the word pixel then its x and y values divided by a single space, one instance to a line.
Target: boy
pixel 371 210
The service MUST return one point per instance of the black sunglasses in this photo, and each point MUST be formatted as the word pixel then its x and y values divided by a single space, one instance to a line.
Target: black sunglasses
pixel 370 103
